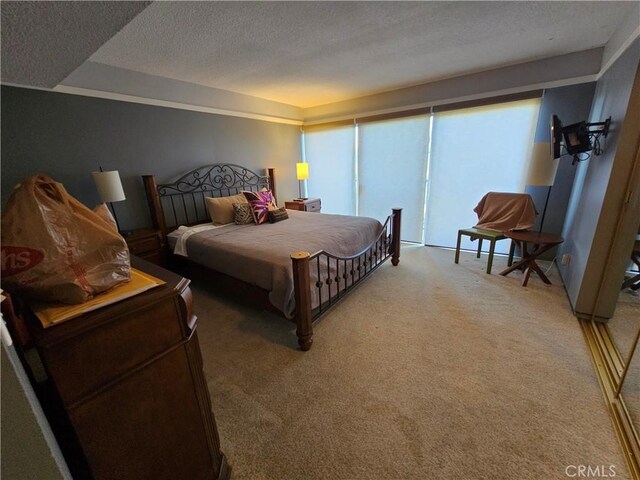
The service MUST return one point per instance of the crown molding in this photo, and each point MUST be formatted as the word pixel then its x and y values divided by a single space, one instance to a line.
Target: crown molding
pixel 618 53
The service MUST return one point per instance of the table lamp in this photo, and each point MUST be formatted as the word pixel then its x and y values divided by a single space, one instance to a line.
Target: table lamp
pixel 110 189
pixel 302 172
pixel 542 171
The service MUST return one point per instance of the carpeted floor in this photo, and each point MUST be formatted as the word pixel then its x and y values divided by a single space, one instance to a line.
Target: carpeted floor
pixel 429 370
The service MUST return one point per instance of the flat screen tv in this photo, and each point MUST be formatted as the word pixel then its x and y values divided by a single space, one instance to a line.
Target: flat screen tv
pixel 576 138
pixel 556 136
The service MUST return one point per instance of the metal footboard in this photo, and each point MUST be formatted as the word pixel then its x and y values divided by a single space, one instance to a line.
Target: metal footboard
pixel 322 279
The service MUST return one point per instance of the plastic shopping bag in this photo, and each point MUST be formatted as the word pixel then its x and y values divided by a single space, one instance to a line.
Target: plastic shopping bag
pixel 56 249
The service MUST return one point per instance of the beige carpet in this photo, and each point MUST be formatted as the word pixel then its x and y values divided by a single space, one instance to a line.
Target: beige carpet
pixel 429 370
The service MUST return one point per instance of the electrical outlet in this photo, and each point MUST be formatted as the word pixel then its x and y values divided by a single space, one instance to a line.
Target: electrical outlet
pixel 566 259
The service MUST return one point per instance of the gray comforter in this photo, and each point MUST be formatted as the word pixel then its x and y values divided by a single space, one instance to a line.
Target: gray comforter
pixel 260 254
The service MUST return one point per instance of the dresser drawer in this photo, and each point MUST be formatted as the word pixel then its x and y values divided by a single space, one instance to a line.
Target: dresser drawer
pixel 87 362
pixel 313 206
pixel 155 256
pixel 140 245
pixel 294 206
pixel 308 205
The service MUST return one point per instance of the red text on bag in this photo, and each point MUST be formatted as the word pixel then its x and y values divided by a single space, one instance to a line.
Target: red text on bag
pixel 19 259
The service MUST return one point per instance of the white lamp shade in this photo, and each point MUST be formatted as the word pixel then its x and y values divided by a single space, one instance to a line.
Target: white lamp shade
pixel 302 171
pixel 542 167
pixel 109 186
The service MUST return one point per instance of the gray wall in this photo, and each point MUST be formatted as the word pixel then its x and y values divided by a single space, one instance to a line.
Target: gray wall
pixel 69 136
pixel 571 104
pixel 599 187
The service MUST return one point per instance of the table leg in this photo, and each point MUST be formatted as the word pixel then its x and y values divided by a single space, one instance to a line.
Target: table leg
pixel 524 248
pixel 458 247
pixel 523 261
pixel 479 247
pixel 529 263
pixel 512 251
pixel 634 282
pixel 535 267
pixel 631 283
pixel 490 260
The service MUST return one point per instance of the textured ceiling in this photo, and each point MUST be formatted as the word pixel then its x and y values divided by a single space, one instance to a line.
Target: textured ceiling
pixel 313 53
pixel 43 42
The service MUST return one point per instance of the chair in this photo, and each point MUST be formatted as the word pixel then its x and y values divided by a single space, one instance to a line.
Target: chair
pixel 480 235
pixel 498 212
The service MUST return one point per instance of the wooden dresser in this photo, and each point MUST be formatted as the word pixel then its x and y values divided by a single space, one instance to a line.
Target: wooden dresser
pixel 304 205
pixel 124 389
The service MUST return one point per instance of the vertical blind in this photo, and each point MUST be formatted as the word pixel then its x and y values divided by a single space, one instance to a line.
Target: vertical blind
pixel 474 151
pixel 330 154
pixel 392 162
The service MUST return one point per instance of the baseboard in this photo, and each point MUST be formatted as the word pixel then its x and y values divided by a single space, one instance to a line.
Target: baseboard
pixel 608 366
pixel 587 316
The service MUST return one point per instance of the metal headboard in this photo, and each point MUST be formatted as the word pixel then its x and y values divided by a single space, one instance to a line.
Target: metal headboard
pixel 183 201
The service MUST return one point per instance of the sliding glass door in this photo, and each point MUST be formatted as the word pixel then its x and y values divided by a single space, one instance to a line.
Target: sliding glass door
pixel 436 167
pixel 475 151
pixel 392 167
pixel 330 153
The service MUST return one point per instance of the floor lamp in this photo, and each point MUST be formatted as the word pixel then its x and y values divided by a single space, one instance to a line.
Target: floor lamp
pixel 542 171
pixel 110 189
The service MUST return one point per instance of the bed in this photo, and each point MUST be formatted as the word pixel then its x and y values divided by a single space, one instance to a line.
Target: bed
pixel 299 268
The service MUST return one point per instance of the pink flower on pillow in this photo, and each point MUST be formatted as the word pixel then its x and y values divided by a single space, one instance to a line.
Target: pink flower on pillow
pixel 260 203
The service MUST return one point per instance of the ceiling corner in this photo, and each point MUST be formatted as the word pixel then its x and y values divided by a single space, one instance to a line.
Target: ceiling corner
pixel 39 39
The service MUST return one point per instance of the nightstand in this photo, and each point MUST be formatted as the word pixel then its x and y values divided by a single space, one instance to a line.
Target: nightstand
pixel 146 243
pixel 306 205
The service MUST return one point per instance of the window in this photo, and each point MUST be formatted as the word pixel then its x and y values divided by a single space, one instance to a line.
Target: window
pixel 392 165
pixel 330 154
pixel 475 151
pixel 436 167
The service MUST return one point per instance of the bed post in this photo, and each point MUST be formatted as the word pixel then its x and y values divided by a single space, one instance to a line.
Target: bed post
pixel 153 199
pixel 302 293
pixel 395 236
pixel 272 181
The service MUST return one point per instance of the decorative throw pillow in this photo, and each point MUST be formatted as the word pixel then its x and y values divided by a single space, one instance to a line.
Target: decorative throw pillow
pixel 254 196
pixel 278 215
pixel 261 203
pixel 221 208
pixel 273 202
pixel 242 214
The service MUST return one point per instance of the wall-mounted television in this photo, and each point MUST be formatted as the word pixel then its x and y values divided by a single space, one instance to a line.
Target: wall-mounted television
pixel 577 138
pixel 556 137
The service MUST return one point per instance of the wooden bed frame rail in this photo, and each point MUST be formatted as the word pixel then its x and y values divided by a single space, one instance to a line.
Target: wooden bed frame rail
pixel 183 203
